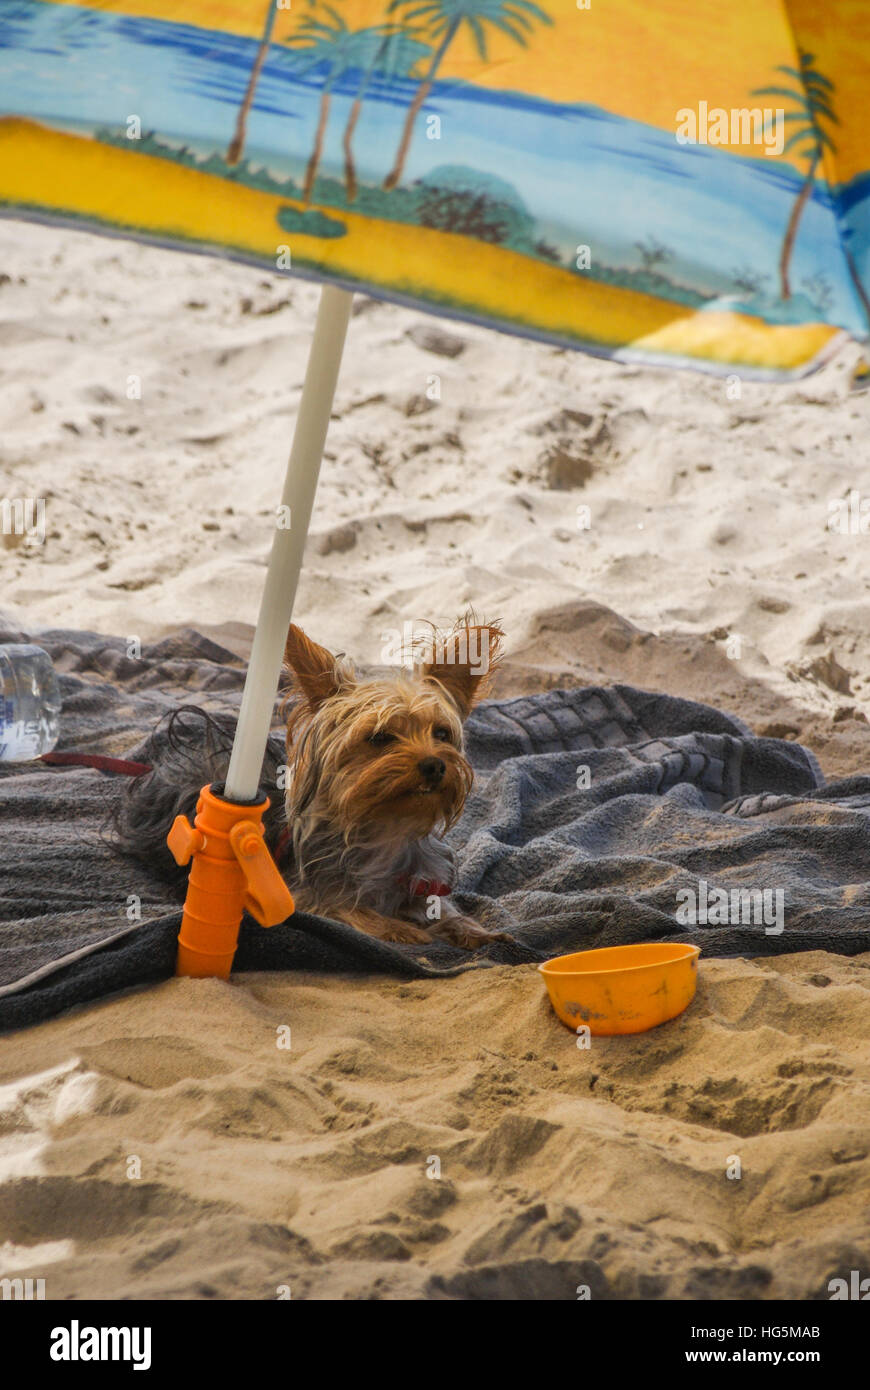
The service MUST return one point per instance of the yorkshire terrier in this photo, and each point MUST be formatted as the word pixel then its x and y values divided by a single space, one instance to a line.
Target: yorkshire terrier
pixel 376 776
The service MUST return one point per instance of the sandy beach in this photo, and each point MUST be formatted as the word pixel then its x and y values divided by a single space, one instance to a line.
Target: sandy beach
pixel 261 1167
pixel 667 530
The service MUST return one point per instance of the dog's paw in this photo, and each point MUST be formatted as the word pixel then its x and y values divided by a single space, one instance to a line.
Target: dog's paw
pixel 388 928
pixel 466 933
pixel 406 932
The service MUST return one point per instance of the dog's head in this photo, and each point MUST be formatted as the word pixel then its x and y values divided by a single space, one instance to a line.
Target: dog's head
pixel 382 759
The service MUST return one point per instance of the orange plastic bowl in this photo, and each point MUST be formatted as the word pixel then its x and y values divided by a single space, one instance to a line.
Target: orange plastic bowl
pixel 622 989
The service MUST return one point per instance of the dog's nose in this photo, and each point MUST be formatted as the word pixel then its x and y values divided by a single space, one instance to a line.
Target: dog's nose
pixel 433 769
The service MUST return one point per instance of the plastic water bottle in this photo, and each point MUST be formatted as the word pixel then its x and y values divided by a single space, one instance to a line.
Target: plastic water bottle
pixel 29 703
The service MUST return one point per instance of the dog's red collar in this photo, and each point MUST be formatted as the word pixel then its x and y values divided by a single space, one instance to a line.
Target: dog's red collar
pixel 425 887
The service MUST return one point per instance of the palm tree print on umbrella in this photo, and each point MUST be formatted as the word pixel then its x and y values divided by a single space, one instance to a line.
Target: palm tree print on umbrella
pixel 396 54
pixel 237 144
pixel 330 44
pixel 812 96
pixel 444 19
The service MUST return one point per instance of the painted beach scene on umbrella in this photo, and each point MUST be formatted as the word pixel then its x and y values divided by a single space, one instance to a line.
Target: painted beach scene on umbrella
pixel 729 234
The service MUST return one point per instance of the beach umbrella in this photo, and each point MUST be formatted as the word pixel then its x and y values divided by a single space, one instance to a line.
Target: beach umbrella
pixel 685 184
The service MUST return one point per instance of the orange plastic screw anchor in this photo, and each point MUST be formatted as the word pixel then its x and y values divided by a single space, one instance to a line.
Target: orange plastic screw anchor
pixel 232 872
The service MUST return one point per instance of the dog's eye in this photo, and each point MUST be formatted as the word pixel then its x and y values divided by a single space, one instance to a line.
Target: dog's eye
pixel 441 733
pixel 381 737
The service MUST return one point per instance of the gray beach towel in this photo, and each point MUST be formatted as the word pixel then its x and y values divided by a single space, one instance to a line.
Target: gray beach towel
pixel 597 815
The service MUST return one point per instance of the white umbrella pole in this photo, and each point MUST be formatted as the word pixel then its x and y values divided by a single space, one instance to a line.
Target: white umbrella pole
pixel 285 563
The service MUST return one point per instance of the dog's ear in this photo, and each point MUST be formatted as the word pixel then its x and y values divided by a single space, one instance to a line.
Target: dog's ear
pixel 316 673
pixel 463 663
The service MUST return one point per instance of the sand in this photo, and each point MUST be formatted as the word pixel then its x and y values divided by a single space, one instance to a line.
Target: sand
pixel 262 1168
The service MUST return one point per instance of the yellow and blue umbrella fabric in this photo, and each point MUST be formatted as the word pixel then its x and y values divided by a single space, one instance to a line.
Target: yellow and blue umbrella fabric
pixel 685 183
